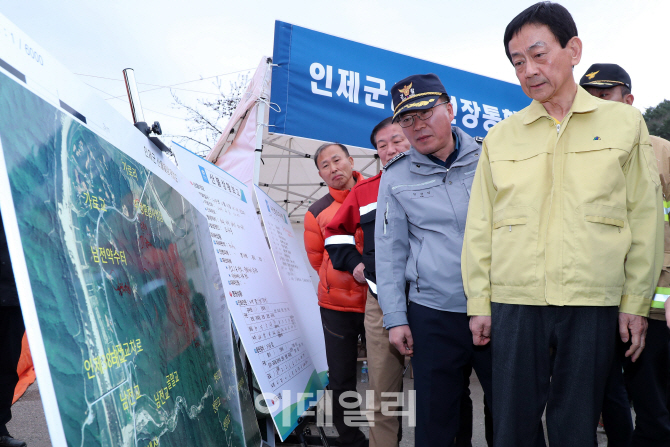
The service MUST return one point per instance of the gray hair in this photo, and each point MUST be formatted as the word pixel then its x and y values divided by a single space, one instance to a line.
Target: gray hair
pixel 324 146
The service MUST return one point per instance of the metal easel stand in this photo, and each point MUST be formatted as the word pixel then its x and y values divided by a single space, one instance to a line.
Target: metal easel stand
pixel 303 434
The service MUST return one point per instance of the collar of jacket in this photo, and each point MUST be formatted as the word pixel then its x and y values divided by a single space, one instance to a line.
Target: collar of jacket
pixel 421 164
pixel 340 194
pixel 584 102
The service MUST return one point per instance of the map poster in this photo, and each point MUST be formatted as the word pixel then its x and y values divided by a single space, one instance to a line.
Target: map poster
pixel 122 300
pixel 295 277
pixel 263 313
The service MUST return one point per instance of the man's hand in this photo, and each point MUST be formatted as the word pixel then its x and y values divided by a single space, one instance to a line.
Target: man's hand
pixel 358 273
pixel 637 326
pixel 480 326
pixel 401 338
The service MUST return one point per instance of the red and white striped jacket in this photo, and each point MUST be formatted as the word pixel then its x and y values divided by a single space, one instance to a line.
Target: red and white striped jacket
pixel 358 210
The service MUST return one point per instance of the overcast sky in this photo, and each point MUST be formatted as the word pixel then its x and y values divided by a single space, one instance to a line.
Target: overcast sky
pixel 171 42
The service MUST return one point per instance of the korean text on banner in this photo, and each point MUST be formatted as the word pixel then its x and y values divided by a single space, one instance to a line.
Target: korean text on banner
pixel 333 89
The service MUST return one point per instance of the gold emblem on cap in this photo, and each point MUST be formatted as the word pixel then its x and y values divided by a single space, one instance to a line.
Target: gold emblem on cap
pixel 405 90
pixel 591 75
pixel 418 104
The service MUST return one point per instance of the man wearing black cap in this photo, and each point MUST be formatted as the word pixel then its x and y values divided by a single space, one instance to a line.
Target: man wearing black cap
pixel 421 210
pixel 647 378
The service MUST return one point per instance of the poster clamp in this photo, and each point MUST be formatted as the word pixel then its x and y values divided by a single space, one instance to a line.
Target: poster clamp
pixel 138 114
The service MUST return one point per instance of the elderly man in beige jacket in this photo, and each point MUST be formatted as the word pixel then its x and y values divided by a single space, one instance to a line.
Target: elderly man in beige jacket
pixel 561 240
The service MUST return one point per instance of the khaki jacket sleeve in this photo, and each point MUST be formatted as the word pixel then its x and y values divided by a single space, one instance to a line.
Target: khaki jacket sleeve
pixel 645 217
pixel 476 254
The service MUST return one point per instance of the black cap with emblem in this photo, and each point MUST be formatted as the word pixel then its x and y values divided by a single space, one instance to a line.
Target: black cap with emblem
pixel 416 92
pixel 605 76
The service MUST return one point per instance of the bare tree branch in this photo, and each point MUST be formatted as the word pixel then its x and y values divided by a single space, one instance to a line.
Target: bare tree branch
pixel 197 116
pixel 207 118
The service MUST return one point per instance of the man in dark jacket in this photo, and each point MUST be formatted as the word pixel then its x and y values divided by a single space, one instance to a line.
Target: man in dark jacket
pixel 357 212
pixel 11 335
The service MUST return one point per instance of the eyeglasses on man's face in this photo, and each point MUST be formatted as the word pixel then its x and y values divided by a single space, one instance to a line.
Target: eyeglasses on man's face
pixel 423 115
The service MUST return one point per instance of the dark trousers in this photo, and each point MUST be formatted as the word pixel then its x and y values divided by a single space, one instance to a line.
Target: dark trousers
pixel 11 335
pixel 464 436
pixel 647 381
pixel 341 331
pixel 617 419
pixel 443 350
pixel 523 338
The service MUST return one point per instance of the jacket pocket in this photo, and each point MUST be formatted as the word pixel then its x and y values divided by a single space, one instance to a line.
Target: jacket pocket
pixel 605 220
pixel 514 246
pixel 595 169
pixel 599 241
pixel 468 177
pixel 329 266
pixel 521 168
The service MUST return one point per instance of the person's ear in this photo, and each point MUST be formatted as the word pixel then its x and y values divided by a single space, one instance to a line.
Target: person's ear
pixel 575 47
pixel 628 99
pixel 450 111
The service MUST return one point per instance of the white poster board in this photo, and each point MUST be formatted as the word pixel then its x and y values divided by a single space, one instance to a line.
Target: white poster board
pixel 293 271
pixel 264 315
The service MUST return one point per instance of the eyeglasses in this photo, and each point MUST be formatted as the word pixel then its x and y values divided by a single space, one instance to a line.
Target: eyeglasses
pixel 423 115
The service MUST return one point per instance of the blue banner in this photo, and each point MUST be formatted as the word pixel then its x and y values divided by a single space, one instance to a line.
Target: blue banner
pixel 333 89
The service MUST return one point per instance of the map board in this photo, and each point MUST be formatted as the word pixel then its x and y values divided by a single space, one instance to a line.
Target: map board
pixel 265 317
pixel 119 288
pixel 295 277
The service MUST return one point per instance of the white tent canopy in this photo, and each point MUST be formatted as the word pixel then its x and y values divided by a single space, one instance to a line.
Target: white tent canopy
pixel 292 180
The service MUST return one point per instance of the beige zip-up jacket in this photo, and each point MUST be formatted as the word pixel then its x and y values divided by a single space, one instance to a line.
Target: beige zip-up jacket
pixel 662 151
pixel 565 214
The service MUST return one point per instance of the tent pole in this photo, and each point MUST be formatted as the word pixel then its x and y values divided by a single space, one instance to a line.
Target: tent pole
pixel 288 176
pixel 260 115
pixel 261 104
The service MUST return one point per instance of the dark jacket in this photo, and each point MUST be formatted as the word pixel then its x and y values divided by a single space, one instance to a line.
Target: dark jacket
pixel 357 211
pixel 8 294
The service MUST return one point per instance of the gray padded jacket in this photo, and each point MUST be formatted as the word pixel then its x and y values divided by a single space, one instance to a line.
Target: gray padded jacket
pixel 421 212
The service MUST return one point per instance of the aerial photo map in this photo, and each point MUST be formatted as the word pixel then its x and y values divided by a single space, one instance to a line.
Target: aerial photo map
pixel 128 297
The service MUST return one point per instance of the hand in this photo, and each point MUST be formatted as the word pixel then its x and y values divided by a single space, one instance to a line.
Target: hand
pixel 401 338
pixel 667 312
pixel 638 332
pixel 480 326
pixel 358 273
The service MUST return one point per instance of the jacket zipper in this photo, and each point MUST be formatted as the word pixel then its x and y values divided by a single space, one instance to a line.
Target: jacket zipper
pixel 551 200
pixel 327 282
pixel 386 217
pixel 417 265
